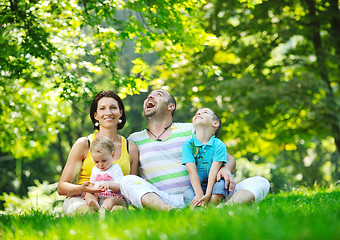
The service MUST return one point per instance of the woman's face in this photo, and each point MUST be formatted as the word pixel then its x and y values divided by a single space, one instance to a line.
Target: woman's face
pixel 108 112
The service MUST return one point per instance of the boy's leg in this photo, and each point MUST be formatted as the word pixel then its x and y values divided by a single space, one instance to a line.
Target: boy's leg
pixel 92 201
pixel 216 199
pixel 218 192
pixel 188 196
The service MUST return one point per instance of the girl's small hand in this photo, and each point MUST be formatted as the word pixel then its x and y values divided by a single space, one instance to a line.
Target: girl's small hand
pixel 104 186
pixel 90 188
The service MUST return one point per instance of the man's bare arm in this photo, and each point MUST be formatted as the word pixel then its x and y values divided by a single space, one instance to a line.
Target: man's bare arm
pixel 226 173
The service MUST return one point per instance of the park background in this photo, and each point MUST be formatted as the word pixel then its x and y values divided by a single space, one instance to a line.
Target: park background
pixel 269 69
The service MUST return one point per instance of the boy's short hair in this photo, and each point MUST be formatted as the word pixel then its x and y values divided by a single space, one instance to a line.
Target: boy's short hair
pixel 217 118
pixel 101 144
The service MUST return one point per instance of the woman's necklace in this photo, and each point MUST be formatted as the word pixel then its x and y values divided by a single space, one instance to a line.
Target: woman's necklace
pixel 158 138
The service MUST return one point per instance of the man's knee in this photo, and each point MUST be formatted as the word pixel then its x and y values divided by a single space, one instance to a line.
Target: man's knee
pixel 126 181
pixel 258 186
pixel 262 188
pixel 265 185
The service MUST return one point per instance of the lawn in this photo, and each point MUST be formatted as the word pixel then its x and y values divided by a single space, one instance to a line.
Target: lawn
pixel 300 214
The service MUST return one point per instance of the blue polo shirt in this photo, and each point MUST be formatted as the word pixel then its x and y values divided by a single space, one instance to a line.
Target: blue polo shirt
pixel 203 155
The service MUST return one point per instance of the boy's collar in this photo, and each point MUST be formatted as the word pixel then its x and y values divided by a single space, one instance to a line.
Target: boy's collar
pixel 198 142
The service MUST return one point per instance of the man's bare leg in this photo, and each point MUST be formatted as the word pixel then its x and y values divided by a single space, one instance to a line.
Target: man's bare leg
pixel 153 201
pixel 216 199
pixel 242 196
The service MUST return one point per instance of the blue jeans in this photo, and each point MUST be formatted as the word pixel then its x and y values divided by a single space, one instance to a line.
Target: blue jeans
pixel 219 188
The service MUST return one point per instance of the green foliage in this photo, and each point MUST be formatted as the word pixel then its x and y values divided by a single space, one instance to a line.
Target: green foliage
pixel 268 84
pixel 54 50
pixel 269 69
pixel 299 214
pixel 274 79
pixel 42 197
pixel 40 42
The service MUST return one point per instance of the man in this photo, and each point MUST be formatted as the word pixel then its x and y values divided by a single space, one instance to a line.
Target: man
pixel 164 178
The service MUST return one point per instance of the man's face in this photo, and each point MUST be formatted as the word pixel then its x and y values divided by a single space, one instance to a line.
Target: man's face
pixel 157 101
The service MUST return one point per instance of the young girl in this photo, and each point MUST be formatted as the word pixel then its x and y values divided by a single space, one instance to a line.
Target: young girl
pixel 105 176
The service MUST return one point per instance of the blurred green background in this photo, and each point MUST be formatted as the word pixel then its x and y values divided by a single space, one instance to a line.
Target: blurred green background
pixel 269 69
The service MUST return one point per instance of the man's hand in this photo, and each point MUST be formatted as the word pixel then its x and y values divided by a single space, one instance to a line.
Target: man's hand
pixel 228 178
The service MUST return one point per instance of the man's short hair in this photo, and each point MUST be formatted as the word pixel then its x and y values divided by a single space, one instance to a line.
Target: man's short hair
pixel 173 101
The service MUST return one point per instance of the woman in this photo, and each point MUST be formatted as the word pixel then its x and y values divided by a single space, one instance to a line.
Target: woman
pixel 108 116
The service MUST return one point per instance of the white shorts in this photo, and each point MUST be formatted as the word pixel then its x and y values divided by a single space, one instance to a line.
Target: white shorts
pixel 70 205
pixel 259 186
pixel 134 188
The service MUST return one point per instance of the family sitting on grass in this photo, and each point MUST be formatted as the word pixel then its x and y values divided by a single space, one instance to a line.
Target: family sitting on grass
pixel 179 164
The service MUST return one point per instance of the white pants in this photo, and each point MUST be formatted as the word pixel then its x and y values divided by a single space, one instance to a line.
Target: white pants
pixel 134 188
pixel 70 205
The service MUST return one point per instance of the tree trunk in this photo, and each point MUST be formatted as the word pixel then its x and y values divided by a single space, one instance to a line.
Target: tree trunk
pixel 60 151
pixel 333 108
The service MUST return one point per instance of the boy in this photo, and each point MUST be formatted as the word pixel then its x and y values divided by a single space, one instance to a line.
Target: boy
pixel 203 155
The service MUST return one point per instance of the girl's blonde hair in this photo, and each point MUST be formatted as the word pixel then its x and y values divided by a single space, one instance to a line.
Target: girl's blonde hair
pixel 102 144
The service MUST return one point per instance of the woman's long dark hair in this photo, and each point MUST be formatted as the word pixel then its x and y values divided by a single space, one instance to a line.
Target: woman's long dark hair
pixel 94 105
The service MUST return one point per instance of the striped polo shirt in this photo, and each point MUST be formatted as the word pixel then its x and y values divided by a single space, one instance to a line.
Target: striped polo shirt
pixel 161 161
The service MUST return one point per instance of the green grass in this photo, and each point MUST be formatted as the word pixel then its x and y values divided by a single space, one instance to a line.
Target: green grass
pixel 302 214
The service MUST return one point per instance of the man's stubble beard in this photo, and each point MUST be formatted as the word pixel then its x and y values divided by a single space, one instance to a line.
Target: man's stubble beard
pixel 156 115
pixel 149 114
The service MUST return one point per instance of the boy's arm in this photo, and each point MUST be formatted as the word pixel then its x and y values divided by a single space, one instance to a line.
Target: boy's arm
pixel 194 179
pixel 215 167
